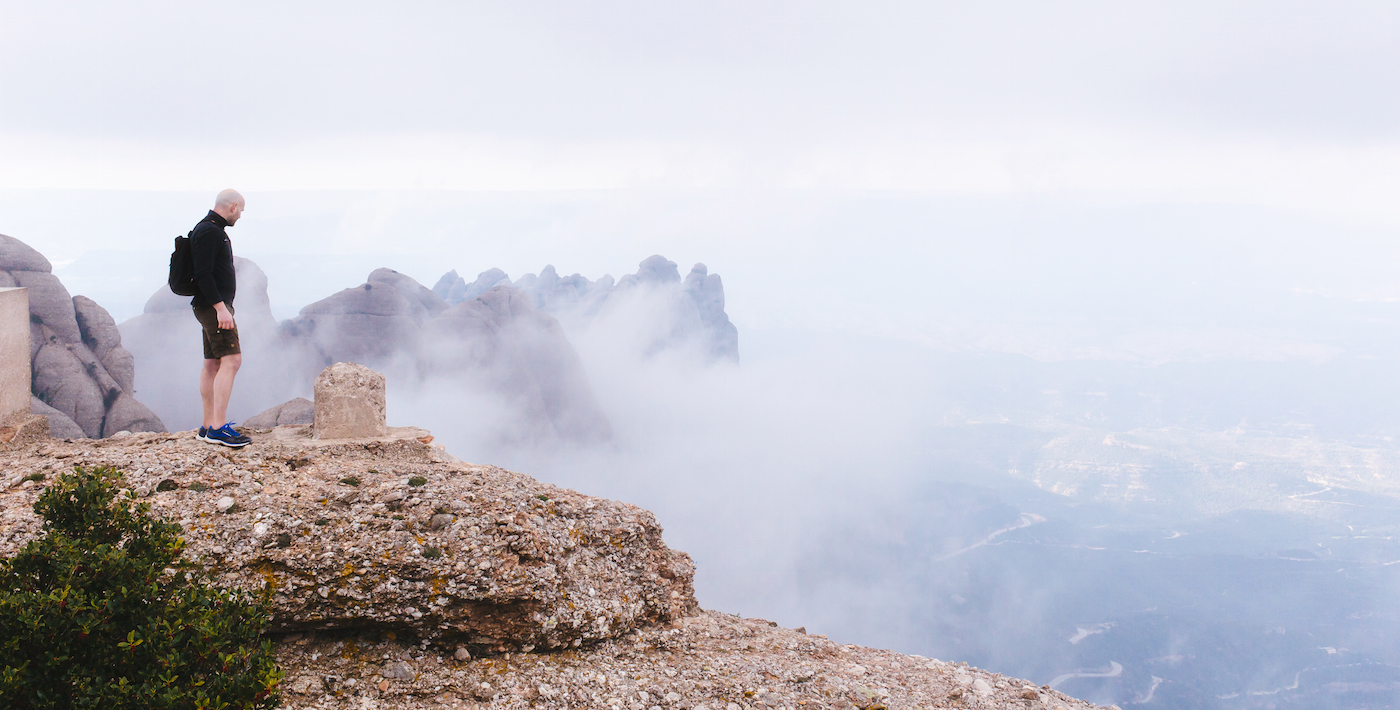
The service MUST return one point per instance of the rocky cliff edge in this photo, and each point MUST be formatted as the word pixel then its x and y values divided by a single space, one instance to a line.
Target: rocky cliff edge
pixel 400 577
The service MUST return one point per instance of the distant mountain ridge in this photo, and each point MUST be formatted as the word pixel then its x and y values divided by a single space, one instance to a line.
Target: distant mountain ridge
pixel 693 307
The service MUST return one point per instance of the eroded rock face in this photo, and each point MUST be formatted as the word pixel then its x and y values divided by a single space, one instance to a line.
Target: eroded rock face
pixel 82 375
pixel 349 402
pixel 389 534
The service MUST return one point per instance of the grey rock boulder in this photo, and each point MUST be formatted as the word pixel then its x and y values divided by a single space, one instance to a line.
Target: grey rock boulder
pixel 15 255
pixel 121 365
pixel 294 412
pixel 95 326
pixel 453 289
pixel 706 291
pixel 60 426
pixel 165 301
pixel 50 303
pixel 485 281
pixel 449 282
pixel 62 381
pixel 127 414
pixel 78 365
pixel 100 334
pixel 365 324
pixel 657 269
pixel 424 302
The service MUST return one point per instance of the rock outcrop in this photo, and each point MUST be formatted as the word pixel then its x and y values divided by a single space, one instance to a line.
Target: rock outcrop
pixel 60 426
pixel 401 579
pixel 82 376
pixel 670 312
pixel 389 534
pixel 454 289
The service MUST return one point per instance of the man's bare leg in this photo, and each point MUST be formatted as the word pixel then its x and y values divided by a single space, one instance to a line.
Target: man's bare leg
pixel 216 386
pixel 206 390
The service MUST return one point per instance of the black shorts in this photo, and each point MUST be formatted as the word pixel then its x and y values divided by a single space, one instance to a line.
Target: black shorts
pixel 217 341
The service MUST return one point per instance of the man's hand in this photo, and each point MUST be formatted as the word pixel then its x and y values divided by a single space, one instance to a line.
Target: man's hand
pixel 225 318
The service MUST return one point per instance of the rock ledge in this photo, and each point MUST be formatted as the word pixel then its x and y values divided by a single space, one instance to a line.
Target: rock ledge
pixel 404 579
pixel 389 534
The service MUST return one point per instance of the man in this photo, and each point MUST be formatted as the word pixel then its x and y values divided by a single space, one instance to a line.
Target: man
pixel 213 307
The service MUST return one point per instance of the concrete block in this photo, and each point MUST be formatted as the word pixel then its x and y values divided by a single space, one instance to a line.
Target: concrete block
pixel 349 402
pixel 15 372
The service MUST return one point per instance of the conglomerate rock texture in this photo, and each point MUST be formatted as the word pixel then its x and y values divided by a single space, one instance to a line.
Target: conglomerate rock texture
pixel 708 661
pixel 402 579
pixel 388 534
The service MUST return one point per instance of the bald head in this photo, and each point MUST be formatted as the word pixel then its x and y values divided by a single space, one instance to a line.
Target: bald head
pixel 229 205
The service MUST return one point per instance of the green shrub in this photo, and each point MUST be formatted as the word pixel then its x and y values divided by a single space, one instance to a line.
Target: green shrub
pixel 101 613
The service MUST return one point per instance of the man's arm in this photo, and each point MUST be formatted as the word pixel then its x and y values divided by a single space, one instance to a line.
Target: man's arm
pixel 204 251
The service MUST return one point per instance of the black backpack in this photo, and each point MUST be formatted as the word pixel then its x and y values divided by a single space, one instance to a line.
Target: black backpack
pixel 182 267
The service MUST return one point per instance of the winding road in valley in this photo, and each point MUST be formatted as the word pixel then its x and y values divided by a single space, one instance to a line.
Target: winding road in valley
pixel 1026 520
pixel 1115 669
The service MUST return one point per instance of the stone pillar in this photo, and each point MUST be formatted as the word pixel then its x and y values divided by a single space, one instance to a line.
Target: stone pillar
pixel 15 372
pixel 349 402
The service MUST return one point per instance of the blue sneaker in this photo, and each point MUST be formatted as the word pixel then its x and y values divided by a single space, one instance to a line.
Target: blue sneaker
pixel 227 436
pixel 203 433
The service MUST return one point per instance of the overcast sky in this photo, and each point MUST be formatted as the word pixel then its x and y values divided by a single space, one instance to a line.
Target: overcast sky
pixel 861 167
pixel 1272 103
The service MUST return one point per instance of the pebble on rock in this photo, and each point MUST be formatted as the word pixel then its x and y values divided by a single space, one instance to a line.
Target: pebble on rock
pixel 398 671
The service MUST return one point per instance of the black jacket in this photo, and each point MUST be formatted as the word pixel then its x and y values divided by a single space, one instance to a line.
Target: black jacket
pixel 213 262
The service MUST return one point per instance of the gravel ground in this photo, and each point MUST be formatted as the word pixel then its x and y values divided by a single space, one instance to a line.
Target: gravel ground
pixel 710 661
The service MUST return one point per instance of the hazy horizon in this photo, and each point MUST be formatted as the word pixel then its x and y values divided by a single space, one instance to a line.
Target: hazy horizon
pixel 1109 288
